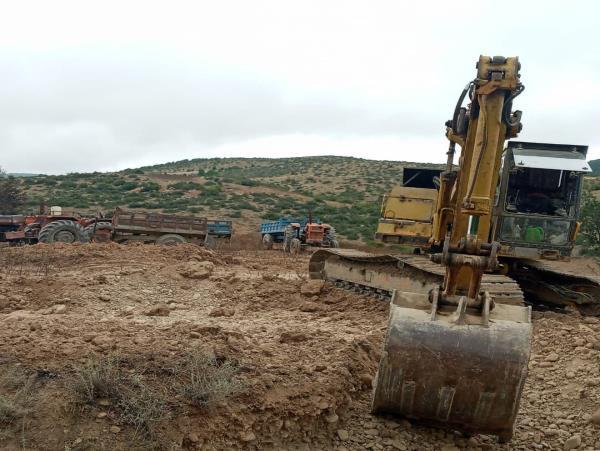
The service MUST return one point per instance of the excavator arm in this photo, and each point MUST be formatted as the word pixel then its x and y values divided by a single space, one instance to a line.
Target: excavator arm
pixel 453 357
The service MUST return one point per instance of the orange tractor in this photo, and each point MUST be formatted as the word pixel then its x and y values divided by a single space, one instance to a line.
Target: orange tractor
pixel 311 233
pixel 52 225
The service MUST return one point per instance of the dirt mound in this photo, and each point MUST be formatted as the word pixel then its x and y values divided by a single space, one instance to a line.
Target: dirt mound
pixel 106 346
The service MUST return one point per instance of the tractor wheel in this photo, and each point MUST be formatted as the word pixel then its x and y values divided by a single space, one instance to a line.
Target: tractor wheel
pixel 99 232
pixel 171 239
pixel 63 231
pixel 331 237
pixel 267 241
pixel 295 246
pixel 287 238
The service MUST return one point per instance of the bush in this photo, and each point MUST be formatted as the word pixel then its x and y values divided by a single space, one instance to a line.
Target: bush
pixel 137 404
pixel 185 186
pixel 590 222
pixel 149 187
pixel 207 381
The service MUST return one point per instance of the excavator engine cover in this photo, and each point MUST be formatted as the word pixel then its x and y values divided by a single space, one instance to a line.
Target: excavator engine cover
pixel 466 377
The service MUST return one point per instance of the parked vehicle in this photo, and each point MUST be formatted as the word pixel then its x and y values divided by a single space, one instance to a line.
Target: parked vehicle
pixel 274 231
pixel 299 236
pixel 158 228
pixel 50 226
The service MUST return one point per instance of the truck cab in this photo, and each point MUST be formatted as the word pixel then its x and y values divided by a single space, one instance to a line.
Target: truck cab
pixel 537 200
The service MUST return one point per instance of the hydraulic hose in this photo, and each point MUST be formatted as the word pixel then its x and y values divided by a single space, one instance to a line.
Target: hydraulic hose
pixel 508 105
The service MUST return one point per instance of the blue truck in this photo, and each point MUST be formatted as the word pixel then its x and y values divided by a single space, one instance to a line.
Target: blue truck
pixel 220 228
pixel 274 231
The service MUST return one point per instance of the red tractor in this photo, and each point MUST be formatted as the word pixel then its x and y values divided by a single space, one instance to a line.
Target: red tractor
pixel 54 225
pixel 314 234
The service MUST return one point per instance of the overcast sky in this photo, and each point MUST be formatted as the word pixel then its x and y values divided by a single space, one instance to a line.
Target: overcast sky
pixel 109 85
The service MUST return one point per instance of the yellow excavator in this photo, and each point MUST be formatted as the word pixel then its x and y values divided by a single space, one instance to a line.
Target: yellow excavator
pixel 458 339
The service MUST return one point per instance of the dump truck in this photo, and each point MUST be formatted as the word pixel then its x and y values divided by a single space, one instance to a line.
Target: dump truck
pixel 458 338
pixel 149 227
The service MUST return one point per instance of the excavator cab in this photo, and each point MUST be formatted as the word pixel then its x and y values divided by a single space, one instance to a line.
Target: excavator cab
pixel 537 202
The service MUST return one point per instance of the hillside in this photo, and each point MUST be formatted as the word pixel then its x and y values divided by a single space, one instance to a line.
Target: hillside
pixel 595 165
pixel 343 191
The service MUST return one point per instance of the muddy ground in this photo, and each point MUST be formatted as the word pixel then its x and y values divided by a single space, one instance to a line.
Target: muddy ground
pixel 100 344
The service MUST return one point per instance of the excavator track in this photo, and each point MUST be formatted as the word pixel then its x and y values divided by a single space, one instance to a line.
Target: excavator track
pixel 380 275
pixel 552 282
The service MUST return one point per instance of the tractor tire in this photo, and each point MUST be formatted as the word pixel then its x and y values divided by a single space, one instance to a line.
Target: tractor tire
pixel 171 239
pixel 62 231
pixel 295 246
pixel 331 238
pixel 287 238
pixel 267 241
pixel 103 237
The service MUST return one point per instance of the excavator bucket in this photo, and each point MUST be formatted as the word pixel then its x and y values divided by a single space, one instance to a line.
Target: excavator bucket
pixel 461 371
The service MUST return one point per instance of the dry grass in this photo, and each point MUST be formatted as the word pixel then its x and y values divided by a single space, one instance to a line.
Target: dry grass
pixel 98 378
pixel 136 403
pixel 17 389
pixel 206 381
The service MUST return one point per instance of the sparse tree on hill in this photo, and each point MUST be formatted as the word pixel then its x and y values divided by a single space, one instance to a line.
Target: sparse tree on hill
pixel 12 197
pixel 590 221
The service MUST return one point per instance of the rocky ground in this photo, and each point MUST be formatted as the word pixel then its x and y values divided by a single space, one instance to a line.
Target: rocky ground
pixel 105 346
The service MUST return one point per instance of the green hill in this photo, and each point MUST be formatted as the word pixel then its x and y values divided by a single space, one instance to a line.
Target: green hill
pixel 343 191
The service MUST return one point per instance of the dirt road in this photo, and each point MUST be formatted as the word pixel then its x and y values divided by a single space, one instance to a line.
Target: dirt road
pixel 301 356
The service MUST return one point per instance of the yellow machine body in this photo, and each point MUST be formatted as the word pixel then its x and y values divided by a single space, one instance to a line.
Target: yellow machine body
pixel 407 216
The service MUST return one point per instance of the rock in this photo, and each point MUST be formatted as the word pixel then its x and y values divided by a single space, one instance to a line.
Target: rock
pixel 343 434
pixel 222 311
pixel 397 444
pixel 103 342
pixel 550 432
pixel 101 415
pixel 332 419
pixel 595 418
pixel 573 442
pixel 320 368
pixel 312 287
pixel 552 357
pixel 59 309
pixel 115 429
pixel 195 335
pixel 158 310
pixel 592 382
pixel 104 402
pixel 309 307
pixel 104 298
pixel 366 379
pixel 196 270
pixel 192 437
pixel 292 337
pixel 247 436
pixel 373 432
pixel 211 330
